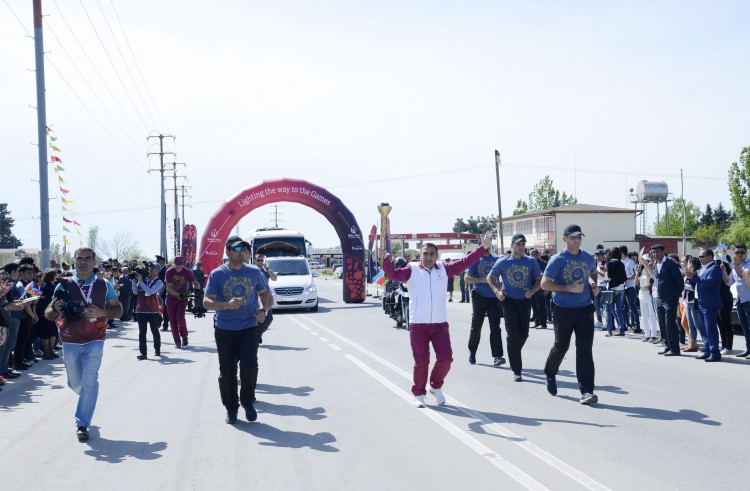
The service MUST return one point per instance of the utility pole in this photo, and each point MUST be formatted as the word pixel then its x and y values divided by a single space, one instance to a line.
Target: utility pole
pixel 499 205
pixel 162 203
pixel 177 228
pixel 41 121
pixel 182 193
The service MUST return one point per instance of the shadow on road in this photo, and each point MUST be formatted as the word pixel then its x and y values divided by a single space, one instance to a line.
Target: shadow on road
pixel 116 451
pixel 284 410
pixel 274 347
pixel 538 376
pixel 289 439
pixel 25 388
pixel 655 413
pixel 280 389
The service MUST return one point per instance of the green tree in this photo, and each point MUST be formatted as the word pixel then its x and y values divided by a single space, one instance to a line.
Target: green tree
pixel 737 233
pixel 722 217
pixel 7 239
pixel 706 235
pixel 543 197
pixel 739 185
pixel 478 225
pixel 675 219
pixel 708 216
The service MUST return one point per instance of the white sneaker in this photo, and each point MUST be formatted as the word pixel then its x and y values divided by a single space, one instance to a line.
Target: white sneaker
pixel 598 325
pixel 726 351
pixel 439 396
pixel 418 401
pixel 589 398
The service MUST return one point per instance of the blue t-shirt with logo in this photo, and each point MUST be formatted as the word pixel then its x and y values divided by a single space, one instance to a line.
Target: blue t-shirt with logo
pixel 481 269
pixel 245 283
pixel 518 275
pixel 565 269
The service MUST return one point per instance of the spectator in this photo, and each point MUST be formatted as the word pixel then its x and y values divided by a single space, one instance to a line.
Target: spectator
pixel 725 313
pixel 707 281
pixel 741 278
pixel 616 278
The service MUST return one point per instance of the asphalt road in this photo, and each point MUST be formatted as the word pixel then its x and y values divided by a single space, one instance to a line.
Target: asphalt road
pixel 335 412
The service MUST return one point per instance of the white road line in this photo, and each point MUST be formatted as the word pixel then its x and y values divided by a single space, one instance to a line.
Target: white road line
pixel 335 347
pixel 314 333
pixel 306 328
pixel 493 458
pixel 325 340
pixel 496 428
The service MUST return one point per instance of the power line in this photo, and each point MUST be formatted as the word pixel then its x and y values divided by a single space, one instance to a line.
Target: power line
pixel 127 67
pixel 19 20
pixel 101 102
pixel 96 70
pixel 137 66
pixel 127 93
pixel 91 113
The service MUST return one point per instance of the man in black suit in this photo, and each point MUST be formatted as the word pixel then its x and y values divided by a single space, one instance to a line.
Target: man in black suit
pixel 668 284
pixel 162 274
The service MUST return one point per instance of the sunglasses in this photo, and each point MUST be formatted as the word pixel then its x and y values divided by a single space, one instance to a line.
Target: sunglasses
pixel 740 253
pixel 238 249
pixel 702 257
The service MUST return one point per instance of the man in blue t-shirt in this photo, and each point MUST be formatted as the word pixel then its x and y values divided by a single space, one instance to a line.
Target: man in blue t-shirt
pixel 521 279
pixel 484 304
pixel 235 291
pixel 571 277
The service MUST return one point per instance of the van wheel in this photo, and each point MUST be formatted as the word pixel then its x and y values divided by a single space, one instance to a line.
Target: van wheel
pixel 315 308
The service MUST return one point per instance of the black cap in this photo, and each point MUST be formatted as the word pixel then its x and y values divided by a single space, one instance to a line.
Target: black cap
pixel 160 258
pixel 518 237
pixel 573 230
pixel 234 241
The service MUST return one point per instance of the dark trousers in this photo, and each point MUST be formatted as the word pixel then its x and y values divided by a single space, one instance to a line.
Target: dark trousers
pixel 166 316
pixel 743 312
pixel 666 311
pixel 567 321
pixel 711 341
pixel 464 290
pixel 153 321
pixel 125 302
pixel 631 308
pixel 481 306
pixel 22 340
pixel 516 314
pixel 234 346
pixel 725 325
pixel 549 304
pixel 539 306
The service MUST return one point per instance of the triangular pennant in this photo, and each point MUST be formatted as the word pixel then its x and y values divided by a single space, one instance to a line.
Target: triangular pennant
pixel 53 138
pixel 65 239
pixel 76 223
pixel 79 232
pixel 64 191
pixel 54 148
pixel 59 167
pixel 49 130
pixel 64 209
pixel 66 229
pixel 67 220
pixel 72 212
pixel 61 180
pixel 56 159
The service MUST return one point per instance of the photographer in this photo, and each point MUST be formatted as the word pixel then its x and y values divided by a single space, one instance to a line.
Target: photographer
pixel 83 303
pixel 260 262
pixel 126 293
pixel 148 306
pixel 178 280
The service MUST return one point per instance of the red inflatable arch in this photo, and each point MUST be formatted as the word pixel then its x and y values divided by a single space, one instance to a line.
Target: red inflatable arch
pixel 295 191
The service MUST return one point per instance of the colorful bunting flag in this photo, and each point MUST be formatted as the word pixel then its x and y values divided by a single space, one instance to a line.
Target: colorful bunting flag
pixel 65 239
pixel 64 191
pixel 53 138
pixel 76 223
pixel 59 168
pixel 67 220
pixel 56 159
pixel 61 180
pixel 66 229
pixel 54 148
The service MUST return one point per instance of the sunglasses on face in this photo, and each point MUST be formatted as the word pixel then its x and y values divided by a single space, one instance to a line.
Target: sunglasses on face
pixel 702 257
pixel 238 249
pixel 740 253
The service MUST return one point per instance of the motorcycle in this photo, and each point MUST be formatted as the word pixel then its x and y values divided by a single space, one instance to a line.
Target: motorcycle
pixel 400 306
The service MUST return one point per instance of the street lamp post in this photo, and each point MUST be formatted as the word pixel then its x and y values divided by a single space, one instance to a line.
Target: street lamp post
pixel 499 205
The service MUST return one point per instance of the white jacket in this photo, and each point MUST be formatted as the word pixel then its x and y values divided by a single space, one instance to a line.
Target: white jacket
pixel 427 287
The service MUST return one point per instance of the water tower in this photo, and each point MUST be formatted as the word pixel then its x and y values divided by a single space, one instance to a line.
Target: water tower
pixel 651 192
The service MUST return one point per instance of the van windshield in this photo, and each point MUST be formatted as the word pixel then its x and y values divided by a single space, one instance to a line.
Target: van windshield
pixel 287 267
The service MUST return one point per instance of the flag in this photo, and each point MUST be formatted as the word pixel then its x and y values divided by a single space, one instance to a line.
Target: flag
pixel 379 278
pixel 66 229
pixel 49 130
pixel 56 159
pixel 54 148
pixel 65 240
pixel 53 138
pixel 61 180
pixel 79 232
pixel 33 291
pixel 59 168
pixel 76 223
pixel 64 191
pixel 67 220
pixel 723 247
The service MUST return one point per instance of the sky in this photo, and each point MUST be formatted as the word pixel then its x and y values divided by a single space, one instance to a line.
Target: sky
pixel 387 101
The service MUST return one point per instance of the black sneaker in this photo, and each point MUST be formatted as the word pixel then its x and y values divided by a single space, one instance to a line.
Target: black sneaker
pixel 499 360
pixel 551 385
pixel 472 358
pixel 10 375
pixel 184 341
pixel 231 417
pixel 82 434
pixel 588 398
pixel 142 357
pixel 250 413
pixel 517 377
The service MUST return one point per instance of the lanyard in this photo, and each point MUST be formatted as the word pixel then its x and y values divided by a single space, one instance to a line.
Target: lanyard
pixel 86 295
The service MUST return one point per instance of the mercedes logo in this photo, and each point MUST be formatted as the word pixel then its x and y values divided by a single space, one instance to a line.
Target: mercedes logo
pixel 289 291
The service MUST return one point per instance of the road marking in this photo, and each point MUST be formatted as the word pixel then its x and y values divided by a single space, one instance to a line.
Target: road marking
pixel 493 458
pixel 314 333
pixel 306 328
pixel 325 340
pixel 335 347
pixel 496 428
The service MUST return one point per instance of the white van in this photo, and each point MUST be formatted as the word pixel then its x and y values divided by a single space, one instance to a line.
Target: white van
pixel 294 287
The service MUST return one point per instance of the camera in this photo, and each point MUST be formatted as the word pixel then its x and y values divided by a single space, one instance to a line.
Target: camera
pixel 70 309
pixel 142 270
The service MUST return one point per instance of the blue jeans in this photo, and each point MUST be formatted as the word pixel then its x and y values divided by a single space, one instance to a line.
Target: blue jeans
pixel 616 306
pixel 694 320
pixel 598 308
pixel 743 312
pixel 632 297
pixel 82 363
pixel 10 343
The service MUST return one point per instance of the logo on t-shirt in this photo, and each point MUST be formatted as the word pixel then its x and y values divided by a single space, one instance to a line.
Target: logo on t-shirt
pixel 238 286
pixel 518 276
pixel 575 270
